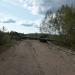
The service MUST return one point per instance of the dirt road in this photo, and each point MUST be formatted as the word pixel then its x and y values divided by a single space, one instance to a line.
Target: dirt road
pixel 31 57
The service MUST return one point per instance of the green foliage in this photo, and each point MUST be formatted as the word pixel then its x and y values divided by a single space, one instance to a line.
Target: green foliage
pixel 16 35
pixel 63 23
pixel 4 38
pixel 69 24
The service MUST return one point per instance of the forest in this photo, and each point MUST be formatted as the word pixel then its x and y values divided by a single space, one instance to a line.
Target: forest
pixel 61 24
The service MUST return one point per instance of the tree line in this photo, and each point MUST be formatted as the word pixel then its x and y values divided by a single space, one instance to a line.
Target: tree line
pixel 6 38
pixel 61 23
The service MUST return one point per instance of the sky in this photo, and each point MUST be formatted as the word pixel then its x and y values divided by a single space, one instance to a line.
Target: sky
pixel 25 16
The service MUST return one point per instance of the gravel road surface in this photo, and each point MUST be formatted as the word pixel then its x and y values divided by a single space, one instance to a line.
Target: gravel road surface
pixel 32 57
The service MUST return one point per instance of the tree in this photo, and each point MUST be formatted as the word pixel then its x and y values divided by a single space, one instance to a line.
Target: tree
pixel 63 23
pixel 4 29
pixel 47 23
pixel 69 23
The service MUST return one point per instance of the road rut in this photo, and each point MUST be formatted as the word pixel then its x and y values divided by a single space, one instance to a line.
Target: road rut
pixel 31 57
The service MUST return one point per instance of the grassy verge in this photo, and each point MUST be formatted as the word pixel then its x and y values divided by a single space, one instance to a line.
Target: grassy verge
pixel 5 46
pixel 62 41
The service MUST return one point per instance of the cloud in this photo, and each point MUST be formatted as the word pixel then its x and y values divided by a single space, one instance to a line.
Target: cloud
pixel 40 6
pixel 9 21
pixel 31 5
pixel 27 25
pixel 6 18
pixel 35 6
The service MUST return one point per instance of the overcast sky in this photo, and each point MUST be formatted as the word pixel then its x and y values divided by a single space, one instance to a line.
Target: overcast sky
pixel 26 15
